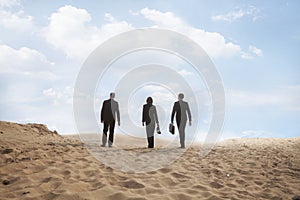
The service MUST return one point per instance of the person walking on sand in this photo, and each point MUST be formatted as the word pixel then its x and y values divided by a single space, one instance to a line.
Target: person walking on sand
pixel 182 111
pixel 110 109
pixel 149 117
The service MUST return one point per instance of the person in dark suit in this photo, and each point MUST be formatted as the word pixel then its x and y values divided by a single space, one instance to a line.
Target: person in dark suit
pixel 110 109
pixel 150 118
pixel 182 111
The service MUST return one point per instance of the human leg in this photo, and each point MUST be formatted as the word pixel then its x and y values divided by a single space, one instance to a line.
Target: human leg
pixel 104 135
pixel 111 132
pixel 150 134
pixel 181 129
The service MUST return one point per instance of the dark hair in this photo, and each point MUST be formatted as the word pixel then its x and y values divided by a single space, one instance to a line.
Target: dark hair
pixel 180 96
pixel 149 100
pixel 112 95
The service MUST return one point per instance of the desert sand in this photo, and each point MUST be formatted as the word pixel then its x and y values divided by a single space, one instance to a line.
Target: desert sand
pixel 37 163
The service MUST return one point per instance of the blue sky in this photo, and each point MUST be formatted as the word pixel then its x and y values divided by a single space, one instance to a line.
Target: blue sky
pixel 254 45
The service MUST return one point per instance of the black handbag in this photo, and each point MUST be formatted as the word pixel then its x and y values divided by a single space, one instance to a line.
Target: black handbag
pixel 171 128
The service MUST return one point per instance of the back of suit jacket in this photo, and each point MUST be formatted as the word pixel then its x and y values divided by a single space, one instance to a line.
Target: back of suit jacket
pixel 110 109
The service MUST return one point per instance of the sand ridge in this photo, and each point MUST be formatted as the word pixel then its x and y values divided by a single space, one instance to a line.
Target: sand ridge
pixel 37 163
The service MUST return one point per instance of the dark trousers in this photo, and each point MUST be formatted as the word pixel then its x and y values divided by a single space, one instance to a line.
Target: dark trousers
pixel 150 127
pixel 181 124
pixel 111 126
pixel 150 141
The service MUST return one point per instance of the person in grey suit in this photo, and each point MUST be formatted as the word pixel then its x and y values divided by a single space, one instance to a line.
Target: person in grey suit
pixel 110 109
pixel 182 111
pixel 149 117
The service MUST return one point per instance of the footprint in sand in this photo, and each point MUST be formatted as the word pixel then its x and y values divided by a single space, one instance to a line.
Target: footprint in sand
pixel 200 187
pixel 60 191
pixel 168 182
pixel 98 185
pixel 216 185
pixel 213 197
pixel 191 191
pixel 131 184
pixel 67 161
pixel 182 196
pixel 180 176
pixel 46 180
pixel 116 196
pixel 66 173
pixel 258 183
pixel 240 182
pixel 165 170
pixel 231 185
pixel 156 185
pixel 90 173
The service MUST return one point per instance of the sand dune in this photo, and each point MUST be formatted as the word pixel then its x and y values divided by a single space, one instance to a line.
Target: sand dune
pixel 36 163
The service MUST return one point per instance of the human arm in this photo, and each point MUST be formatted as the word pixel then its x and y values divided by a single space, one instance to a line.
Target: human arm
pixel 189 114
pixel 173 113
pixel 102 113
pixel 118 114
pixel 155 115
pixel 143 116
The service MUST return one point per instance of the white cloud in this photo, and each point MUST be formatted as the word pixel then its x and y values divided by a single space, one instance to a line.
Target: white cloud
pixel 256 50
pixel 213 43
pixel 246 98
pixel 184 72
pixel 108 17
pixel 159 93
pixel 253 52
pixel 25 61
pixel 9 3
pixel 231 16
pixel 16 21
pixel 238 13
pixel 286 98
pixel 70 30
pixel 60 96
pixel 246 55
pixel 22 58
pixel 161 18
pixel 133 13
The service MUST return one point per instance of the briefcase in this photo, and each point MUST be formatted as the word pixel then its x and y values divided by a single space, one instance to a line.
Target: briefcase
pixel 171 128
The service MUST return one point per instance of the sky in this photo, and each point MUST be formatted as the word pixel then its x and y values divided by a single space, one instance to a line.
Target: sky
pixel 254 45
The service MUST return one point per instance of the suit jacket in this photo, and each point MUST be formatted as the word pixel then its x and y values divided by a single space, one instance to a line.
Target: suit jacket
pixel 181 110
pixel 149 114
pixel 109 110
